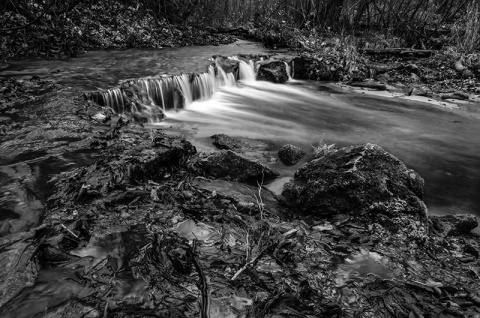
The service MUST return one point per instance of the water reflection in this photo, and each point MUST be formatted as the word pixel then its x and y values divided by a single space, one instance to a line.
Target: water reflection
pixel 361 264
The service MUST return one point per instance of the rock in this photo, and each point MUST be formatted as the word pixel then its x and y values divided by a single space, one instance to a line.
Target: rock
pixel 273 71
pixel 100 117
pixel 238 144
pixel 304 68
pixel 361 181
pixel 232 166
pixel 420 91
pixel 248 147
pixel 290 154
pixel 456 224
pixel 224 142
pixel 142 157
pixel 227 64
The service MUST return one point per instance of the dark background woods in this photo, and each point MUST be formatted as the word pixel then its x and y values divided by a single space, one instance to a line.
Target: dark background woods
pixel 54 28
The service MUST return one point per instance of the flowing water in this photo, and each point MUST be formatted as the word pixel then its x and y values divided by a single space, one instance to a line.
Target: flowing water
pixel 443 145
pixel 104 69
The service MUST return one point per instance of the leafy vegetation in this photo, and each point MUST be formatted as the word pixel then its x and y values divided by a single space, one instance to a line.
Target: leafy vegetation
pixel 49 29
pixel 52 28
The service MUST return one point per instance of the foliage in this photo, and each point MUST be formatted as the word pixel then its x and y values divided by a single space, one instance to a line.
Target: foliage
pixel 322 148
pixel 466 30
pixel 419 23
pixel 380 23
pixel 52 28
pixel 109 24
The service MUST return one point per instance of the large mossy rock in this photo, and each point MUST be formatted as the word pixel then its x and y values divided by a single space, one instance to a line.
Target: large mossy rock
pixel 232 166
pixel 273 71
pixel 362 181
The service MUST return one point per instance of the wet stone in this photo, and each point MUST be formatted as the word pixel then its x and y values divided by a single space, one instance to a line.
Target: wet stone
pixel 232 166
pixel 239 144
pixel 224 142
pixel 291 154
pixel 273 71
pixel 363 181
pixel 254 149
pixel 143 157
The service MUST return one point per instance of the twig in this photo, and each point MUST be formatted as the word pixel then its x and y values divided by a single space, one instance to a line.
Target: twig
pixel 259 199
pixel 69 231
pixel 248 234
pixel 251 263
pixel 203 281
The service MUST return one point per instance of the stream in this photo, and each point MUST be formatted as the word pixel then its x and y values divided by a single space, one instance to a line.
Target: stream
pixel 441 144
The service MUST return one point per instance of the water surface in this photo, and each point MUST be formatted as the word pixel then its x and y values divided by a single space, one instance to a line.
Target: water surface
pixel 441 144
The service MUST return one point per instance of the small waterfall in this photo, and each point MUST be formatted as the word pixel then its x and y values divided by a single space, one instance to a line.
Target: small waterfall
pixel 226 79
pixel 292 69
pixel 150 97
pixel 112 98
pixel 205 84
pixel 289 71
pixel 246 71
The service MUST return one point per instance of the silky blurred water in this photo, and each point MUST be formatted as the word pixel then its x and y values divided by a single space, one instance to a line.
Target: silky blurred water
pixel 443 145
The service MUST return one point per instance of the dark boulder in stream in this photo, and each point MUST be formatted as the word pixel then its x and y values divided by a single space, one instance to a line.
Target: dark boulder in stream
pixel 291 154
pixel 232 166
pixel 225 142
pixel 362 181
pixel 273 71
pixel 239 144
